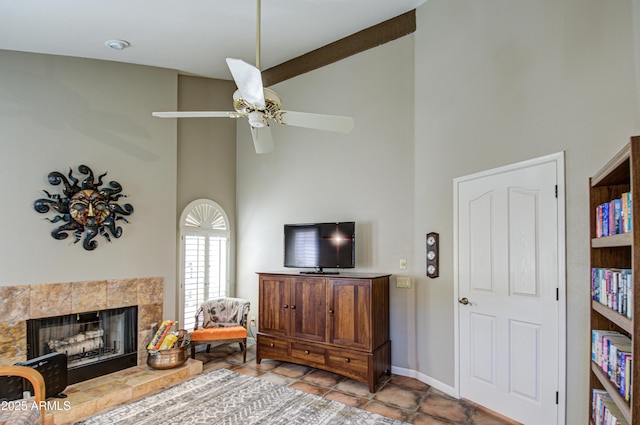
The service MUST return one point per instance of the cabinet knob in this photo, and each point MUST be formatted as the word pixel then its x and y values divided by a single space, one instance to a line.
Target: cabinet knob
pixel 293 307
pixel 347 360
pixel 272 345
pixel 285 306
pixel 306 351
pixel 330 311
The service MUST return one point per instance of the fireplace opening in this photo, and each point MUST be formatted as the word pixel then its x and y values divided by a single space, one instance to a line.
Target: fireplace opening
pixel 96 343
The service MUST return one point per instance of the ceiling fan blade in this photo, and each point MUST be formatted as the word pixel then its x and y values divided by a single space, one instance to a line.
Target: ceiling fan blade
pixel 197 114
pixel 318 121
pixel 262 140
pixel 248 80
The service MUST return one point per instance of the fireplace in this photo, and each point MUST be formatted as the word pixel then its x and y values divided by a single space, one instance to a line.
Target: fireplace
pixel 22 303
pixel 96 343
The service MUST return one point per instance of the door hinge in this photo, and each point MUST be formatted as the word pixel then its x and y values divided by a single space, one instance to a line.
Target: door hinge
pixel 557 294
pixel 556 191
pixel 557 397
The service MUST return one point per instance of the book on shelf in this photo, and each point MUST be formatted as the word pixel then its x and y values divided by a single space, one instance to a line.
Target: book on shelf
pixel 625 375
pixel 604 410
pixel 611 351
pixel 613 288
pixel 614 217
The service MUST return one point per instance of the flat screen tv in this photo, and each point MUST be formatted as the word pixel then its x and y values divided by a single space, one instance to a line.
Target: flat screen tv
pixel 320 246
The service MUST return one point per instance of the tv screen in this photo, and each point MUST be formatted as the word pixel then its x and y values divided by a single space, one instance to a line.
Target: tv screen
pixel 320 245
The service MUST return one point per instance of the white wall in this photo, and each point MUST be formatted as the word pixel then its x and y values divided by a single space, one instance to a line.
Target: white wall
pixel 312 175
pixel 499 82
pixel 57 113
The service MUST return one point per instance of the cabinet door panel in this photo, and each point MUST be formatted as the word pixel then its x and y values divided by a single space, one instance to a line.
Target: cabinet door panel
pixel 274 305
pixel 308 309
pixel 350 313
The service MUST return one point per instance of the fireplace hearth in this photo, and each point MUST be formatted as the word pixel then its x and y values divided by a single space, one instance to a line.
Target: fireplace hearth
pixel 96 343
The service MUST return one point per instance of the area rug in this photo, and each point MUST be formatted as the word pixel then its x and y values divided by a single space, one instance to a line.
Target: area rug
pixel 224 397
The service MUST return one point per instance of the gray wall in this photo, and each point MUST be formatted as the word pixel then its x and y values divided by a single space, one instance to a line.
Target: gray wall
pixel 495 82
pixel 206 146
pixel 57 113
pixel 207 151
pixel 506 81
pixel 365 176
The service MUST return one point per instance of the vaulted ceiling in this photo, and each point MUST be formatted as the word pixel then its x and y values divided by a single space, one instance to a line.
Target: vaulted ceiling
pixel 195 36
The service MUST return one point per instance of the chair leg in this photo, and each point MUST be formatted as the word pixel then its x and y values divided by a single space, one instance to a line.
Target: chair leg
pixel 208 348
pixel 243 347
pixel 193 351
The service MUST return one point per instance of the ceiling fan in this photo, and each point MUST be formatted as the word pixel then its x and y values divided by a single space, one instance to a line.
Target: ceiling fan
pixel 260 105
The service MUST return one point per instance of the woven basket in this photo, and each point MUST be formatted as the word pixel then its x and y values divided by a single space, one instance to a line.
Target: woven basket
pixel 168 359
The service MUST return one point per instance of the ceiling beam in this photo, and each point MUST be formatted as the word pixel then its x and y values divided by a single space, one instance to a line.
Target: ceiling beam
pixel 368 38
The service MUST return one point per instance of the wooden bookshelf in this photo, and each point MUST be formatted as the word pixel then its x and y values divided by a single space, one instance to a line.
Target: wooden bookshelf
pixel 620 174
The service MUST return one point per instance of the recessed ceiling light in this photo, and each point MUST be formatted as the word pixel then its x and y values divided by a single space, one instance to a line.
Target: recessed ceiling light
pixel 117 44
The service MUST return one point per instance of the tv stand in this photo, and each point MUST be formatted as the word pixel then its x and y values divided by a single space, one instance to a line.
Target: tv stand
pixel 335 323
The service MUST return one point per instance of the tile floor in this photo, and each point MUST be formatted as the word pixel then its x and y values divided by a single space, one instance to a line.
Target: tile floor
pixel 398 397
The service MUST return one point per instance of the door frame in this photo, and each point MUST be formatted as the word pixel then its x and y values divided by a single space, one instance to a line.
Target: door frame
pixel 558 159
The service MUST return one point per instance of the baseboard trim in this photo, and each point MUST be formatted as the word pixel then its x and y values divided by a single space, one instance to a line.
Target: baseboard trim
pixel 410 373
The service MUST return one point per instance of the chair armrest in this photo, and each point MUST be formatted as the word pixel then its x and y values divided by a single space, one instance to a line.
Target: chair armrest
pixel 31 375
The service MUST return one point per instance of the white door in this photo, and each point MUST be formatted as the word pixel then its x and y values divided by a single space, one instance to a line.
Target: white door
pixel 509 233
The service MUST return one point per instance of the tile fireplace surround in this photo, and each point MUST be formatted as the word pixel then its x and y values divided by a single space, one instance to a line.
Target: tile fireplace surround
pixel 21 303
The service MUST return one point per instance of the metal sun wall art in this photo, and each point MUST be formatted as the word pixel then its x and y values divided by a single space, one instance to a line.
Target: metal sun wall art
pixel 85 206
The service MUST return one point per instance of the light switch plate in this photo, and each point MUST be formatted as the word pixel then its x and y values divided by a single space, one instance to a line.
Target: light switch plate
pixel 403 282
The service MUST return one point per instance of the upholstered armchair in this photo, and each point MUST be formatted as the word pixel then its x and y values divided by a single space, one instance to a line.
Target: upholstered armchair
pixel 221 321
pixel 29 411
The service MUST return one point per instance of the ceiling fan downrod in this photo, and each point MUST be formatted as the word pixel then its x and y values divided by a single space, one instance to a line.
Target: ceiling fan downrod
pixel 258 35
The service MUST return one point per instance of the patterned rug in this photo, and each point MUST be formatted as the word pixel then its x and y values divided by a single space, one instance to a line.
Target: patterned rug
pixel 224 397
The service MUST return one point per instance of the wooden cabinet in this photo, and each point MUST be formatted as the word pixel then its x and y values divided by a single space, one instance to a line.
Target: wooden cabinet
pixel 615 308
pixel 338 323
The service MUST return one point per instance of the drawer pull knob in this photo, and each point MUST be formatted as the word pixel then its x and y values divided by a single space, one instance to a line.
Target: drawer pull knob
pixel 330 311
pixel 347 360
pixel 306 351
pixel 293 307
pixel 272 345
pixel 286 306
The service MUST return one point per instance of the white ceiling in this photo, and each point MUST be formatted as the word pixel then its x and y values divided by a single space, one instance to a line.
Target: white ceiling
pixel 191 36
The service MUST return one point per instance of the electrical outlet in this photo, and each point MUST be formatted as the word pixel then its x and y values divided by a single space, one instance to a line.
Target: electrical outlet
pixel 403 282
pixel 253 320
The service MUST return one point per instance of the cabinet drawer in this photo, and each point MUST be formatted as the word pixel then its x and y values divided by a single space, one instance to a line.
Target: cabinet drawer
pixel 348 363
pixel 308 353
pixel 272 346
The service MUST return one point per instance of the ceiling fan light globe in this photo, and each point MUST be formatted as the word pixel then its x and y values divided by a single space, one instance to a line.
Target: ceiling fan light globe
pixel 257 119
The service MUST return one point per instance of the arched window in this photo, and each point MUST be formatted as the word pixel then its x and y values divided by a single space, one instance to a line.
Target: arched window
pixel 204 236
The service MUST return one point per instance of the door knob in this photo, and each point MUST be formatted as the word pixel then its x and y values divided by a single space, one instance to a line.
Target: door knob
pixel 463 301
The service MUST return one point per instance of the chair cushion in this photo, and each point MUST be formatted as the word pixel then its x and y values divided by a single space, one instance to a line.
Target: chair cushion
pixel 224 332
